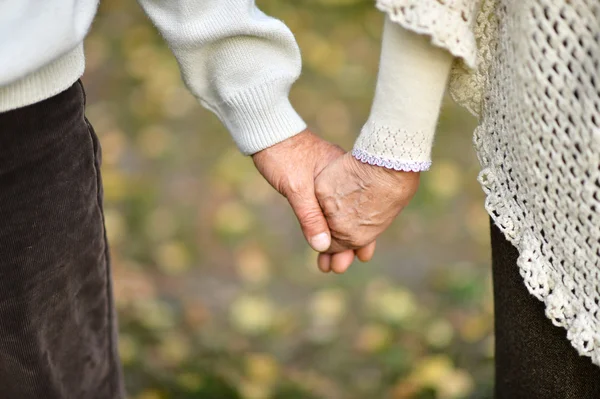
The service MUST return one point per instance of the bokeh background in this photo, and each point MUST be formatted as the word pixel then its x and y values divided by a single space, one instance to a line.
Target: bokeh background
pixel 218 295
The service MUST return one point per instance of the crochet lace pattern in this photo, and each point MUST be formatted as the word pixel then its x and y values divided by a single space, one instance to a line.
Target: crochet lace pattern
pixel 447 22
pixel 536 87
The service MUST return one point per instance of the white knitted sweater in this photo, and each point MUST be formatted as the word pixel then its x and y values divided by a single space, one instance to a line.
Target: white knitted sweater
pixel 239 62
pixel 530 70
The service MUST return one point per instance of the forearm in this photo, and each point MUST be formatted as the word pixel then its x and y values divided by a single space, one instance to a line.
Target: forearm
pixel 238 62
pixel 411 82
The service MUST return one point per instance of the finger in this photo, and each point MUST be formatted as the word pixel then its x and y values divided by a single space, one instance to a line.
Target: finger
pixel 337 247
pixel 341 246
pixel 311 218
pixel 341 261
pixel 365 253
pixel 324 262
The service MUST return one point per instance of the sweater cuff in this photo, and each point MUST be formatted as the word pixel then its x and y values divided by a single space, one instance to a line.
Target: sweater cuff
pixel 260 117
pixel 390 163
pixel 394 147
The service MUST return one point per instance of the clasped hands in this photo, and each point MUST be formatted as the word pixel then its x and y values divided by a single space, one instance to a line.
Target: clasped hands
pixel 342 204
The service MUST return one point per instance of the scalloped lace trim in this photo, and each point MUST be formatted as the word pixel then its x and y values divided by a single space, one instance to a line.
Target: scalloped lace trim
pixel 403 166
pixel 539 150
pixel 449 24
pixel 565 302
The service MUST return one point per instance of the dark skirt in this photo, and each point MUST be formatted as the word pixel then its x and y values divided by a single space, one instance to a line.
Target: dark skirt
pixel 534 358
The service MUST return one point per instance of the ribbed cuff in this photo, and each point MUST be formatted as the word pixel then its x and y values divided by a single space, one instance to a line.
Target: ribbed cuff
pixel 44 83
pixel 261 116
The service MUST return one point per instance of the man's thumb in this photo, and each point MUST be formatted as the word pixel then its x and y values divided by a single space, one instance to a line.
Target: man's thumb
pixel 312 221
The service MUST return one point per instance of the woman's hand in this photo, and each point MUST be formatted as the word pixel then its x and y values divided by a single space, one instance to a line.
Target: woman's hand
pixel 359 201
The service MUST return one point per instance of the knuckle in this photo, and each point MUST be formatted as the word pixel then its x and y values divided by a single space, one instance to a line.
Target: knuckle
pixel 321 190
pixel 295 189
pixel 349 239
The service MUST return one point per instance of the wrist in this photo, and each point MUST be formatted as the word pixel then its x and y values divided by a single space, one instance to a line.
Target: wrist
pixel 280 149
pixel 389 176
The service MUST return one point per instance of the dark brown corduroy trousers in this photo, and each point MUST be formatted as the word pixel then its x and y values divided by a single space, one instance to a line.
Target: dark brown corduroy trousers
pixel 57 322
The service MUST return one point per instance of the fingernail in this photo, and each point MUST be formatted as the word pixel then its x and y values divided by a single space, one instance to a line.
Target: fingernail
pixel 320 242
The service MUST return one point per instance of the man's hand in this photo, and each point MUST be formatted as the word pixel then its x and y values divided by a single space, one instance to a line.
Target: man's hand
pixel 291 168
pixel 359 201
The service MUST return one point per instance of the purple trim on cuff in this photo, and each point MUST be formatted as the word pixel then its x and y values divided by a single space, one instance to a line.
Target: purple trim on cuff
pixel 405 166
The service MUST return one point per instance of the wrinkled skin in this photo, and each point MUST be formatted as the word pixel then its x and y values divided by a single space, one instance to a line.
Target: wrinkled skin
pixel 359 201
pixel 291 167
pixel 342 204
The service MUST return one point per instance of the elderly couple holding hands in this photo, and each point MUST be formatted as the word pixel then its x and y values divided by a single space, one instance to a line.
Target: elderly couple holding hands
pixel 528 69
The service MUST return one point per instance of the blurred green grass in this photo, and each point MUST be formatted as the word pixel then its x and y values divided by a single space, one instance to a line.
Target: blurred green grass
pixel 217 292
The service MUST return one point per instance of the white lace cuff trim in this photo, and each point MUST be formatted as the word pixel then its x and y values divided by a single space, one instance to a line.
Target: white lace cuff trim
pixel 404 166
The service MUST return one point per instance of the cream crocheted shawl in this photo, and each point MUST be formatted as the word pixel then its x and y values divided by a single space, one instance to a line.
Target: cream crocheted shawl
pixel 530 71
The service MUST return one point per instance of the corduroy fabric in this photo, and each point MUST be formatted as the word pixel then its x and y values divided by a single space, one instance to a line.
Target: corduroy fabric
pixel 57 322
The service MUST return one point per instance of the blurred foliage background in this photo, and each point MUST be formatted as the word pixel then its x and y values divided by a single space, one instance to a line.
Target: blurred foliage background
pixel 218 295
